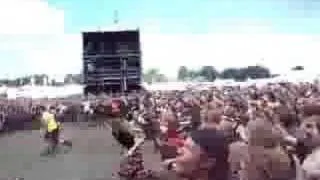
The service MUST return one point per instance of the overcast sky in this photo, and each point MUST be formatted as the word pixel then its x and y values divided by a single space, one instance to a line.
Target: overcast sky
pixel 38 36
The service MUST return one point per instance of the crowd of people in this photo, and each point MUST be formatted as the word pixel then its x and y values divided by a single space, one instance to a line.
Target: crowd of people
pixel 268 132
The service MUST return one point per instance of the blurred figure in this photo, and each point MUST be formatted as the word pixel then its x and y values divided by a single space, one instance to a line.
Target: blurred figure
pixel 204 156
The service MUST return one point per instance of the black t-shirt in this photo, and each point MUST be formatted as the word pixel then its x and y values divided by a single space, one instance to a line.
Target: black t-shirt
pixel 196 115
pixel 215 144
pixel 305 147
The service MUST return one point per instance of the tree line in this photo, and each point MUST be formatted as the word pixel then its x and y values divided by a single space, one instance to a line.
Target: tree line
pixel 210 73
pixel 205 73
pixel 41 79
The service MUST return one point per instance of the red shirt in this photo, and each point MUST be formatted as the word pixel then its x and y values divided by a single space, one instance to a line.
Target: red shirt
pixel 177 142
pixel 115 106
pixel 172 134
pixel 174 139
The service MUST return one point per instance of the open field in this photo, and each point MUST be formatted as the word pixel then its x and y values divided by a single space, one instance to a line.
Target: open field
pixel 95 155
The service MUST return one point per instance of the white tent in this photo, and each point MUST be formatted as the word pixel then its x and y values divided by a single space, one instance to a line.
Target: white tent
pixel 168 86
pixel 36 92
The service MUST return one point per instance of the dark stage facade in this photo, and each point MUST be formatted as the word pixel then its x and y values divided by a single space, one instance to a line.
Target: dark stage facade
pixel 111 61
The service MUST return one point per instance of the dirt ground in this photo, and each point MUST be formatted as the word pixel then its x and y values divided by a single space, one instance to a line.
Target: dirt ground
pixel 95 156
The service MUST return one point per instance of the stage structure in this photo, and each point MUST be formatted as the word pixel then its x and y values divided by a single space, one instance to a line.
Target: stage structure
pixel 111 61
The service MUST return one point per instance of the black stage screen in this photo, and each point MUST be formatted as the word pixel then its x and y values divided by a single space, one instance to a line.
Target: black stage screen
pixel 111 61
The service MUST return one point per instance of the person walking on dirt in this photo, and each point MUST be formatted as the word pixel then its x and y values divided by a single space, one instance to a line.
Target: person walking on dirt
pixel 52 129
pixel 51 126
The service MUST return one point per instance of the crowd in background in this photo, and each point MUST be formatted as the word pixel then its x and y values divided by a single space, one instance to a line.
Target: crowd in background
pixel 268 132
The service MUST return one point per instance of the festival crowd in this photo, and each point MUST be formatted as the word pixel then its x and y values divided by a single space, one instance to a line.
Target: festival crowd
pixel 267 132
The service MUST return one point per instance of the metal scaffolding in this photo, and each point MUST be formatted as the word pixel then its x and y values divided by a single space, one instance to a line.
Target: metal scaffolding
pixel 112 60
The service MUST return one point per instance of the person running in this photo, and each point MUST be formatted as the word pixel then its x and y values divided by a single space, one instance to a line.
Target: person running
pixel 52 129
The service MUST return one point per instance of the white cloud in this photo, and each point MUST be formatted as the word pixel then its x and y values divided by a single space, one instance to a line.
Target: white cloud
pixel 30 17
pixel 279 52
pixel 33 39
pixel 244 42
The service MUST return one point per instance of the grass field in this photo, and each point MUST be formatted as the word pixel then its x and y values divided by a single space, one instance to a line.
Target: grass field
pixel 95 155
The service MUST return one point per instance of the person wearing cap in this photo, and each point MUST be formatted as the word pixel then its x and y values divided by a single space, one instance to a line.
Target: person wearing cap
pixel 204 156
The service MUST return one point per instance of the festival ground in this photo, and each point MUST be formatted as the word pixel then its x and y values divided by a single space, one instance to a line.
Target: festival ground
pixel 95 155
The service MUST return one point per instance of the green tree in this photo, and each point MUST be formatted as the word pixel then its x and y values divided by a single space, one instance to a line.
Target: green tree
pixel 161 78
pixel 193 74
pixel 40 79
pixel 229 73
pixel 183 73
pixel 77 78
pixel 73 78
pixel 297 68
pixel 208 72
pixel 53 82
pixel 154 75
pixel 68 79
pixel 256 72
pixel 25 80
pixel 241 74
pixel 149 75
